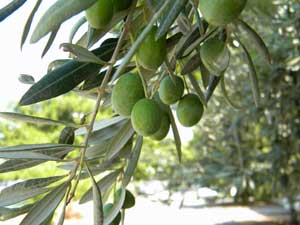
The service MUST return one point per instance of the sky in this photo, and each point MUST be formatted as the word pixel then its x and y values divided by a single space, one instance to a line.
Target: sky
pixel 14 62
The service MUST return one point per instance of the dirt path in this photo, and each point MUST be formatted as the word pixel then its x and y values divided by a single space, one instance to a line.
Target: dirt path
pixel 148 213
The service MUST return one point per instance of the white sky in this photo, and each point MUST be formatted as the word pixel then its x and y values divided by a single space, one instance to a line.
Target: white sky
pixel 14 62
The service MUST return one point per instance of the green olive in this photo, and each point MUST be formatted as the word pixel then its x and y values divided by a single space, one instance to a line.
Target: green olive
pixel 171 89
pixel 100 14
pixel 215 55
pixel 152 53
pixel 221 12
pixel 146 117
pixel 164 128
pixel 129 200
pixel 189 110
pixel 126 92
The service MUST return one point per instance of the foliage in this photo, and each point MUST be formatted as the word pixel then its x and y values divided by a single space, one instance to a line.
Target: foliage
pixel 107 150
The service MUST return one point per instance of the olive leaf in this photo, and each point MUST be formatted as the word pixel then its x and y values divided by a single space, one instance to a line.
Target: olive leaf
pixel 10 8
pixel 252 75
pixel 46 206
pixel 26 189
pixel 76 27
pixel 33 119
pixel 50 41
pixel 176 134
pixel 8 213
pixel 59 12
pixel 104 184
pixel 133 161
pixel 197 88
pixel 172 11
pixel 29 21
pixel 26 79
pixel 66 77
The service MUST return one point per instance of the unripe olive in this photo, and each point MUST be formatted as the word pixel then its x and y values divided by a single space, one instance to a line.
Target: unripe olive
pixel 214 55
pixel 129 200
pixel 126 92
pixel 152 53
pixel 221 12
pixel 100 14
pixel 164 107
pixel 146 117
pixel 164 128
pixel 189 110
pixel 171 89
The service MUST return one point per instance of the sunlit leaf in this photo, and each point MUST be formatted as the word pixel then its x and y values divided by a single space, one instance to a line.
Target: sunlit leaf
pixel 26 79
pixel 59 12
pixel 10 8
pixel 76 27
pixel 120 139
pixel 33 119
pixel 176 135
pixel 171 12
pixel 50 41
pixel 25 190
pixel 46 206
pixel 66 77
pixel 133 161
pixel 9 213
pixel 97 200
pixel 29 21
pixel 82 54
pixel 197 88
pixel 252 75
pixel 103 184
pixel 256 40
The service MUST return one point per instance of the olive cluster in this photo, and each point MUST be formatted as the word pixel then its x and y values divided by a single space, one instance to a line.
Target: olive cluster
pixel 150 115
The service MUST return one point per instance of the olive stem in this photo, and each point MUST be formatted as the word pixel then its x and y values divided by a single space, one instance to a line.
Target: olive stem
pixel 101 91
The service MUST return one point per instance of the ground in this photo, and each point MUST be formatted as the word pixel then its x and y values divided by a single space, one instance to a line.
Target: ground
pixel 147 212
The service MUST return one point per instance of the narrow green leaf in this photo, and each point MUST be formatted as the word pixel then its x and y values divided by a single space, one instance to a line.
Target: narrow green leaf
pixel 252 76
pixel 33 119
pixel 82 54
pixel 46 206
pixel 66 77
pixel 19 164
pixel 50 41
pixel 191 65
pixel 59 12
pixel 176 135
pixel 29 21
pixel 35 147
pixel 76 27
pixel 139 41
pixel 25 190
pixel 197 88
pixel 104 184
pixel 226 96
pixel 26 155
pixel 97 200
pixel 172 11
pixel 26 79
pixel 133 161
pixel 256 40
pixel 120 139
pixel 9 213
pixel 101 124
pixel 205 75
pixel 116 208
pixel 213 83
pixel 10 8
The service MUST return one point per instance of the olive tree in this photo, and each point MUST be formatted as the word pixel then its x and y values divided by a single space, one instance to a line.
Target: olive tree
pixel 142 71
